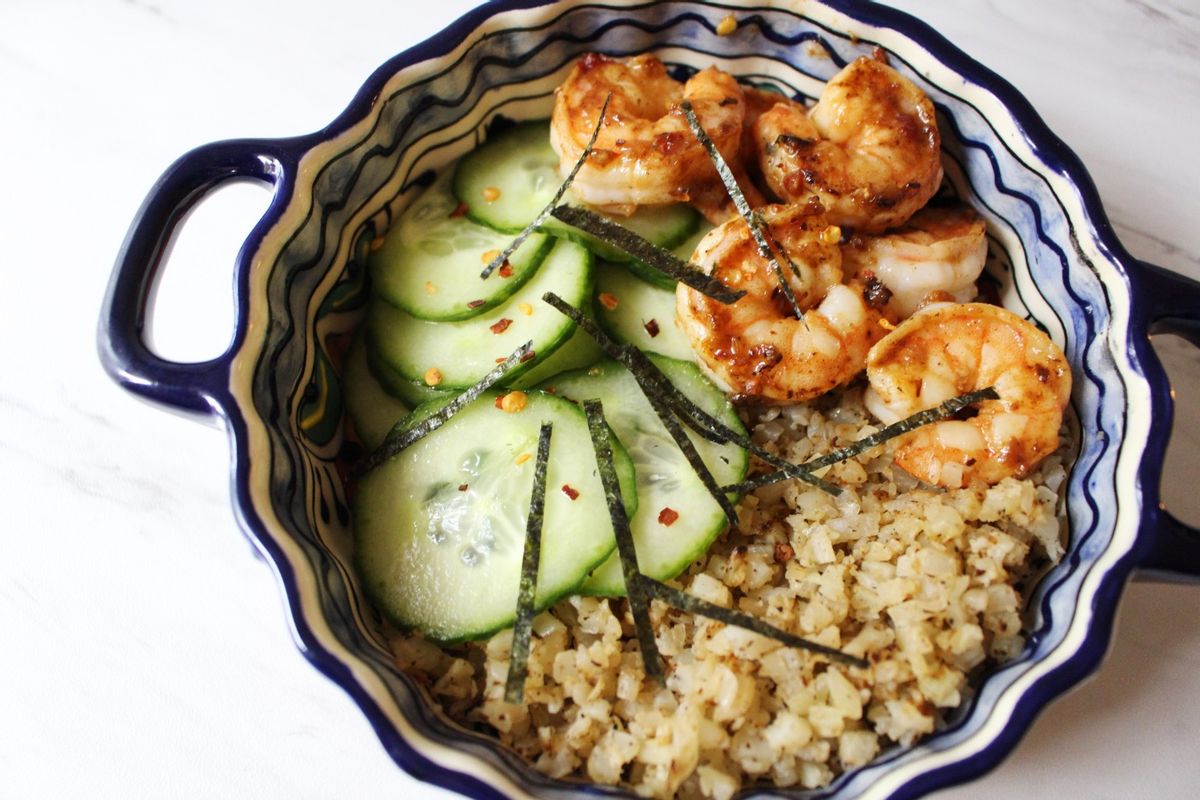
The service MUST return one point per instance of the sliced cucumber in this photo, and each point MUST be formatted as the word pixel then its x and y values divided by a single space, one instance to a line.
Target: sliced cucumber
pixel 682 250
pixel 372 409
pixel 463 352
pixel 412 393
pixel 664 478
pixel 643 316
pixel 509 179
pixel 580 351
pixel 439 529
pixel 431 260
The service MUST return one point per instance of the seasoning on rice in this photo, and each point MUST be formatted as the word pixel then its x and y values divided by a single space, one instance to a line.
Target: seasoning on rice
pixel 923 583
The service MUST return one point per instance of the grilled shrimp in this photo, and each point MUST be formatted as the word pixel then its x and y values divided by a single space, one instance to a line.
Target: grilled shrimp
pixel 948 349
pixel 757 347
pixel 937 255
pixel 868 149
pixel 645 153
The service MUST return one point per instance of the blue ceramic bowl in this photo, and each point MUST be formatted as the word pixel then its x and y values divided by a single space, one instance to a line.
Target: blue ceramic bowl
pixel 299 285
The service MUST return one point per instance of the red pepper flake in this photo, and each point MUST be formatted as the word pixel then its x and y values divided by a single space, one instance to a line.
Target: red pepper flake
pixel 506 269
pixel 668 142
pixel 501 326
pixel 530 356
pixel 513 402
pixel 499 399
pixel 784 553
pixel 460 210
pixel 501 360
pixel 475 303
pixel 608 300
pixel 651 327
pixel 570 492
pixel 462 487
pixel 667 516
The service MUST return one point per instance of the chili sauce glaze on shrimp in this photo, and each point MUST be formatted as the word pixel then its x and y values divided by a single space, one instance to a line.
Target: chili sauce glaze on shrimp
pixel 645 154
pixel 757 347
pixel 952 348
pixel 869 149
pixel 937 255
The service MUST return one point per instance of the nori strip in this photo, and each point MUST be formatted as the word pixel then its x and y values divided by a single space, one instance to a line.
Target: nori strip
pixel 713 429
pixel 648 253
pixel 758 229
pixel 398 440
pixel 641 588
pixel 653 383
pixel 639 604
pixel 545 212
pixel 910 423
pixel 691 604
pixel 656 394
pixel 518 664
pixel 667 417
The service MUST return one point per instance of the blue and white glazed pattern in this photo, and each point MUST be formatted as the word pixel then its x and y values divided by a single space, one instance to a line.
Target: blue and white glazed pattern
pixel 304 287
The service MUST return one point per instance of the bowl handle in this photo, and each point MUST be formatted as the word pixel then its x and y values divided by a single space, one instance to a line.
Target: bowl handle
pixel 1165 302
pixel 124 353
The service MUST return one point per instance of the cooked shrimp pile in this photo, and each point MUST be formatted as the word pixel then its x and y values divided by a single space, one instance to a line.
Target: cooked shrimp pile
pixel 843 189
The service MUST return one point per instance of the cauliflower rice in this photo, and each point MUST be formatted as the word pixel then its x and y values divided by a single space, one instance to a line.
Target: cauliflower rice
pixel 926 584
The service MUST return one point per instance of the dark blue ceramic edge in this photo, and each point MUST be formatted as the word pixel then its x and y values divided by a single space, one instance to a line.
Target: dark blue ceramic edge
pixel 196 388
pixel 203 387
pixel 1164 302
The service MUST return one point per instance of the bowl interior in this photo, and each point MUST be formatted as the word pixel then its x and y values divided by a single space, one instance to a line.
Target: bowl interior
pixel 306 292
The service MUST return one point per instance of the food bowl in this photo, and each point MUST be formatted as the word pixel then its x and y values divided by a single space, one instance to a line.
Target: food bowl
pixel 299 288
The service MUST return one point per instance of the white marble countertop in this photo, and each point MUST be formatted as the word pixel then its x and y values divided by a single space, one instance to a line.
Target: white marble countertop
pixel 145 651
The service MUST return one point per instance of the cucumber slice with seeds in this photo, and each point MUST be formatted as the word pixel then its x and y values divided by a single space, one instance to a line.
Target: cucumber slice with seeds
pixel 463 352
pixel 430 262
pixel 644 315
pixel 439 529
pixel 666 484
pixel 509 179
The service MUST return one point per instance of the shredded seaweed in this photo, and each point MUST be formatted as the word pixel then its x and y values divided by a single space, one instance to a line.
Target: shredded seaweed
pixel 656 385
pixel 648 253
pixel 639 603
pixel 642 589
pixel 503 256
pixel 518 665
pixel 910 423
pixel 712 428
pixel 754 221
pixel 669 421
pixel 402 437
pixel 682 601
